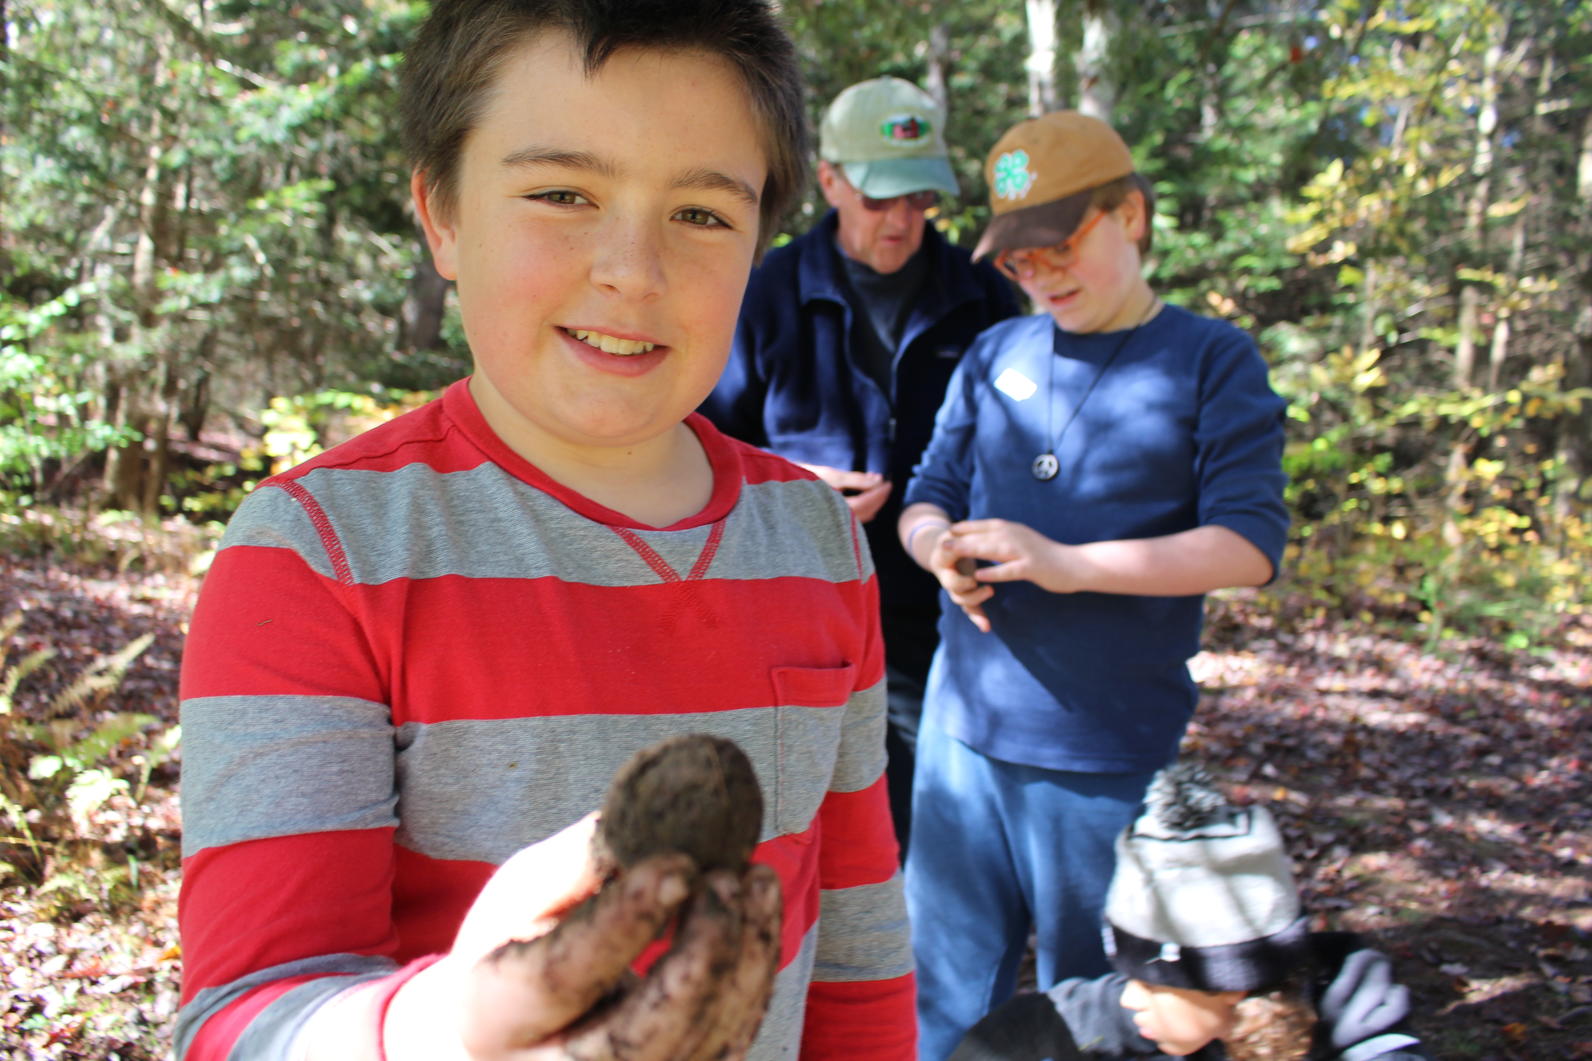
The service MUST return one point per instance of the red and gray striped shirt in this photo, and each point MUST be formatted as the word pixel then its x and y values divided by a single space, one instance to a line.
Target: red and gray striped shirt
pixel 416 654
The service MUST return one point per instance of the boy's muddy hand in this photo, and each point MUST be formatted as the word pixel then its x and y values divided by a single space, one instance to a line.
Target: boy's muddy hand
pixel 540 969
pixel 705 999
pixel 568 995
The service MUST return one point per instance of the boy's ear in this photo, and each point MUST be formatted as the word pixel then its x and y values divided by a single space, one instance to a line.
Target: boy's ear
pixel 1131 211
pixel 438 225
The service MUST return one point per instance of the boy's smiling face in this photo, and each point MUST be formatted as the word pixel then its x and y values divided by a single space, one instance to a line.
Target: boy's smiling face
pixel 601 240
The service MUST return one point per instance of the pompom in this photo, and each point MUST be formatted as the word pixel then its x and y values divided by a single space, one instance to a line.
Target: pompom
pixel 1183 797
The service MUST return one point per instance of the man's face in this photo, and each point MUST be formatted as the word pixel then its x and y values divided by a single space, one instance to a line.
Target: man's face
pixel 1177 1020
pixel 601 240
pixel 883 240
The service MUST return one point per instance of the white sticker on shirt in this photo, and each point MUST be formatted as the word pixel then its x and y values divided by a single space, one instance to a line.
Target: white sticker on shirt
pixel 1015 385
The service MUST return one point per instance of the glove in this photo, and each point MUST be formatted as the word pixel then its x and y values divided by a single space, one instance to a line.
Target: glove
pixel 1362 1001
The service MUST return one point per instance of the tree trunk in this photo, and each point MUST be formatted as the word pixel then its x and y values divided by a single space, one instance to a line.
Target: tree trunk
pixel 126 483
pixel 420 326
pixel 1457 474
pixel 1097 89
pixel 1481 169
pixel 1041 64
pixel 935 65
pixel 125 464
pixel 1574 449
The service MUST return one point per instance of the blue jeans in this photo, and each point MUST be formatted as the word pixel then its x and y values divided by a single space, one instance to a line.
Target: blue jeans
pixel 999 849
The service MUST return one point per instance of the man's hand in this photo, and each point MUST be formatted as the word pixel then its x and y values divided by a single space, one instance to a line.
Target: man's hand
pixel 540 969
pixel 865 492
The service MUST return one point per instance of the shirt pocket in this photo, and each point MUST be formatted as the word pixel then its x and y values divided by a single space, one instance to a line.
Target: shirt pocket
pixel 809 723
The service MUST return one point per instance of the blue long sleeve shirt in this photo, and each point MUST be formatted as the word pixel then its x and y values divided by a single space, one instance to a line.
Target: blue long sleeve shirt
pixel 1181 429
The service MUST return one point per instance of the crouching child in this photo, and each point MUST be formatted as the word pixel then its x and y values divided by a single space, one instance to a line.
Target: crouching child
pixel 1213 957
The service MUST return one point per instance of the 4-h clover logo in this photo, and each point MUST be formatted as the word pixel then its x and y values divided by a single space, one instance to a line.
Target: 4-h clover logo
pixel 1013 178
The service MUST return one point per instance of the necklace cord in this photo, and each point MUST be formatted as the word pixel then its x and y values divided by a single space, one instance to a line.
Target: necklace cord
pixel 1048 463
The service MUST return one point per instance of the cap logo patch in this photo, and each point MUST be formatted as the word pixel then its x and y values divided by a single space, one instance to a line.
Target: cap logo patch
pixel 904 129
pixel 1013 178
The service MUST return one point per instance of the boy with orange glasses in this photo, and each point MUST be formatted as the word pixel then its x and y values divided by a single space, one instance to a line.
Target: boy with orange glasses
pixel 1095 469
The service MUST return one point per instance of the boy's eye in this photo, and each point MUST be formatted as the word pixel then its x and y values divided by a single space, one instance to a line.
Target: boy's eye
pixel 558 196
pixel 696 215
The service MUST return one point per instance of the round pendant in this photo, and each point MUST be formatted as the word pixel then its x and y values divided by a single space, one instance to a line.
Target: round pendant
pixel 1046 466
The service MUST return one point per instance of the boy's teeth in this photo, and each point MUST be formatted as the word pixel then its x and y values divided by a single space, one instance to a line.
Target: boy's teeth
pixel 610 345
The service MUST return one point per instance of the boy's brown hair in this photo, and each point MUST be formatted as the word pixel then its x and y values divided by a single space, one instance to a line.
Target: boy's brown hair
pixel 455 55
pixel 1107 197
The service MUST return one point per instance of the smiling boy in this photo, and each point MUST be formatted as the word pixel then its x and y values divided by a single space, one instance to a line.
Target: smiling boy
pixel 430 648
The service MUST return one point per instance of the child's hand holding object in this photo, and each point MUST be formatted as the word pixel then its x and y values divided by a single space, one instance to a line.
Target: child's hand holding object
pixel 541 967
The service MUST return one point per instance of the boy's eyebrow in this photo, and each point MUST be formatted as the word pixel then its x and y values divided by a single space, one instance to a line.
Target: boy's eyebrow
pixel 706 179
pixel 713 180
pixel 552 156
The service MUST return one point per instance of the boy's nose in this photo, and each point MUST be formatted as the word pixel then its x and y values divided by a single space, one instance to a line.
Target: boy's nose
pixel 628 259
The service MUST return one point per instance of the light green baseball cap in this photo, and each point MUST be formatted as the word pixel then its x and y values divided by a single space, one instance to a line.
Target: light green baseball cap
pixel 888 137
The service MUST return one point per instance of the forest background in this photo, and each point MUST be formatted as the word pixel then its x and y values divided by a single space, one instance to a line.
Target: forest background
pixel 208 270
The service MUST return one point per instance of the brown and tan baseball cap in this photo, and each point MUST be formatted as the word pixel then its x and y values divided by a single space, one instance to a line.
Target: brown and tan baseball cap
pixel 1040 175
pixel 888 136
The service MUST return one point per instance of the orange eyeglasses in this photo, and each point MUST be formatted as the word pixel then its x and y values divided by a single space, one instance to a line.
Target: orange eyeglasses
pixel 1059 256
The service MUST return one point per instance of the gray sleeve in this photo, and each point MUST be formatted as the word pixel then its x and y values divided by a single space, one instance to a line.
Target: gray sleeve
pixel 1100 1026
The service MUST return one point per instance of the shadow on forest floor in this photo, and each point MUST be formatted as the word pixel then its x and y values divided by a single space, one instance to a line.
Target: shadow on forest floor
pixel 1440 803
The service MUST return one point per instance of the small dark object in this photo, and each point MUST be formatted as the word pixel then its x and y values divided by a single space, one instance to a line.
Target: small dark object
pixel 697 794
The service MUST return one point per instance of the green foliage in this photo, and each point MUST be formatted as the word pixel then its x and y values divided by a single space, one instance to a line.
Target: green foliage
pixel 298 427
pixel 207 214
pixel 1494 558
pixel 200 208
pixel 45 414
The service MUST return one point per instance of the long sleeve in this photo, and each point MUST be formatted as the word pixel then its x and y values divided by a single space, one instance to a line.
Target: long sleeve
pixel 860 1005
pixel 946 470
pixel 1239 445
pixel 288 790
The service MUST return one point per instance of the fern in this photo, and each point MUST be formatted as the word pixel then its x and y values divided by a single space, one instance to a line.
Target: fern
pixel 99 679
pixel 12 675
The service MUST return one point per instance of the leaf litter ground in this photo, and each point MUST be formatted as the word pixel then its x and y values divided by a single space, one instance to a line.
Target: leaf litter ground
pixel 1439 802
